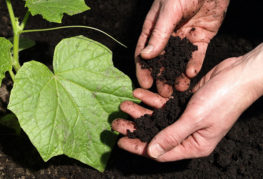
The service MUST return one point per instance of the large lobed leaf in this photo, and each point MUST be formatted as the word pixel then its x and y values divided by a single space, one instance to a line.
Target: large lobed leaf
pixel 53 10
pixel 5 57
pixel 69 111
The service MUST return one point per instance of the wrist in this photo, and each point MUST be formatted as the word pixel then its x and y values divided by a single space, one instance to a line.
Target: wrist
pixel 254 75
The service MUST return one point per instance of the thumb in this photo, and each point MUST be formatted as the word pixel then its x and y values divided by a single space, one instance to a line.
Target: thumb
pixel 169 16
pixel 170 137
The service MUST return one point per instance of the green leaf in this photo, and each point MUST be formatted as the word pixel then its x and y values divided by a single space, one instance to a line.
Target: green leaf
pixel 69 111
pixel 5 57
pixel 53 10
pixel 10 121
pixel 24 43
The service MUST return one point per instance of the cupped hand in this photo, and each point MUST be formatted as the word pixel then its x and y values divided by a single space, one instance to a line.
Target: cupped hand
pixel 219 99
pixel 198 20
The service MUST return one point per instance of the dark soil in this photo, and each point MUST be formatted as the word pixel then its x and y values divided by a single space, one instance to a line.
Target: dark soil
pixel 173 63
pixel 148 126
pixel 238 155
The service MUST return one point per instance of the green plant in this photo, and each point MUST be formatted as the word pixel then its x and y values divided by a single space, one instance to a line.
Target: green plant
pixel 67 111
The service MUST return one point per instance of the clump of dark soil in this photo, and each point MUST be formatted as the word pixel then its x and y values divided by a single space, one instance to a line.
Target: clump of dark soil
pixel 148 126
pixel 173 63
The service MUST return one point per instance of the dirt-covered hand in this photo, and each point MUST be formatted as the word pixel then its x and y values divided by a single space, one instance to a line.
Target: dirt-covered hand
pixel 198 20
pixel 219 99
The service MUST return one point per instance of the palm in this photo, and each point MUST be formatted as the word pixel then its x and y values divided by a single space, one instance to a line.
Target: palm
pixel 199 21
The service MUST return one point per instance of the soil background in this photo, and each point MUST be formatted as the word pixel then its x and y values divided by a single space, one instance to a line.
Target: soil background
pixel 238 155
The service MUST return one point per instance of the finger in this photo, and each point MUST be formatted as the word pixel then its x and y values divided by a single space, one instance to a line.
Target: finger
pixel 164 89
pixel 134 110
pixel 195 63
pixel 180 152
pixel 133 145
pixel 148 25
pixel 182 83
pixel 122 125
pixel 189 148
pixel 168 18
pixel 203 80
pixel 151 99
pixel 170 137
pixel 143 75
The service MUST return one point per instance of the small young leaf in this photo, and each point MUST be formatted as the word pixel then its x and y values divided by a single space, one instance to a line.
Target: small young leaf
pixel 69 111
pixel 24 43
pixel 5 57
pixel 53 10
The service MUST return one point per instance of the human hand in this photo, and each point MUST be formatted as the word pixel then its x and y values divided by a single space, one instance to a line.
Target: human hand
pixel 198 20
pixel 220 98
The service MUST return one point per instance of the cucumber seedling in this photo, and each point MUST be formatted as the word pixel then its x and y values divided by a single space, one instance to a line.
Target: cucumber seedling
pixel 66 111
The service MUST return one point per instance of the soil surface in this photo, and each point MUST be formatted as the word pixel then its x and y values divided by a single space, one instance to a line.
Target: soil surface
pixel 238 155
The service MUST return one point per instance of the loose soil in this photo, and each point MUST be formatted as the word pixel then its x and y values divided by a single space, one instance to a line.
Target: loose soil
pixel 238 155
pixel 148 126
pixel 173 63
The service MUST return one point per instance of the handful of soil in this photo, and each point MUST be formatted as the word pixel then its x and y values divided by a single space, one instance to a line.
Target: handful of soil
pixel 173 63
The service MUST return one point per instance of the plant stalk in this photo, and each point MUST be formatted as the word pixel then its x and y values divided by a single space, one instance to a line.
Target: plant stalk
pixel 16 31
pixel 11 13
pixel 73 26
pixel 16 52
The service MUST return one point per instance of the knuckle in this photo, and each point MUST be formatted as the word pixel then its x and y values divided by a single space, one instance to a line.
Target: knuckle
pixel 147 27
pixel 160 34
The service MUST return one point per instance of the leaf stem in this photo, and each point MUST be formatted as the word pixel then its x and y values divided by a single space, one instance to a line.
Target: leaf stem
pixel 73 26
pixel 11 73
pixel 23 24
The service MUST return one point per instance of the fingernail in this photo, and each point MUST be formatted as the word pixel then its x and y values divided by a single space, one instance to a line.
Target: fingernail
pixel 148 49
pixel 156 151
